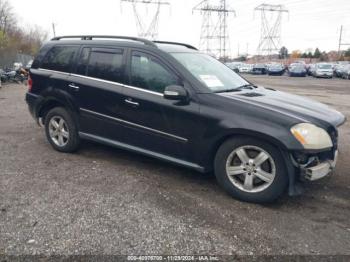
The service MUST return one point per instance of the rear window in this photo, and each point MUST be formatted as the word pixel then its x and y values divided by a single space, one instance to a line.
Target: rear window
pixel 60 58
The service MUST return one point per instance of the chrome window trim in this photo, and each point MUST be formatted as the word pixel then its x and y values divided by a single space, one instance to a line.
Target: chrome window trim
pixel 54 71
pixel 103 81
pixel 135 125
pixel 119 84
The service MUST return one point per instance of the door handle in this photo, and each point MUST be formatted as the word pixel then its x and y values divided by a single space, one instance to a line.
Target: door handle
pixel 130 102
pixel 73 86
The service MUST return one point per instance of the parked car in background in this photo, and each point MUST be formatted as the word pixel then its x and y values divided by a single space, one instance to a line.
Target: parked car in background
pixel 245 68
pixel 338 70
pixel 275 69
pixel 346 72
pixel 259 69
pixel 310 69
pixel 234 66
pixel 323 70
pixel 297 69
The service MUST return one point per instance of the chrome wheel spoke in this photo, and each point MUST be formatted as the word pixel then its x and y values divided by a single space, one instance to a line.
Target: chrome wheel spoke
pixel 242 155
pixel 60 123
pixel 261 158
pixel 55 124
pixel 263 175
pixel 60 140
pixel 235 170
pixel 248 182
pixel 65 134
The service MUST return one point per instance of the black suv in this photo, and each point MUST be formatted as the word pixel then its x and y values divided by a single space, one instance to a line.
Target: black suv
pixel 169 101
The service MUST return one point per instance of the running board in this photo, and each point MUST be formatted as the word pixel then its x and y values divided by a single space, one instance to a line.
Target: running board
pixel 146 152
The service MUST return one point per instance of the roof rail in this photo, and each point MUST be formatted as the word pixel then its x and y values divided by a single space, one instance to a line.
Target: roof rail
pixel 91 37
pixel 175 43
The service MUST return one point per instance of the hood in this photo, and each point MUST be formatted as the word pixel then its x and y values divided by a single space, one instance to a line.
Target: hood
pixel 324 70
pixel 301 108
pixel 297 69
pixel 276 69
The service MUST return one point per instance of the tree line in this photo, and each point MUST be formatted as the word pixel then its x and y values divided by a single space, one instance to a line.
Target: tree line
pixel 15 39
pixel 322 56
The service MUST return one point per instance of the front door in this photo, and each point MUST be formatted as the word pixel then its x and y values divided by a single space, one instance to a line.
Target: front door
pixel 155 123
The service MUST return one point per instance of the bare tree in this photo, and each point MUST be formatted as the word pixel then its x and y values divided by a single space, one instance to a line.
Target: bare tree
pixel 7 17
pixel 15 39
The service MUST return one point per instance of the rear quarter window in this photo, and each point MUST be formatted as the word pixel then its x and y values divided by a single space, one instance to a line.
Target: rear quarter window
pixel 60 58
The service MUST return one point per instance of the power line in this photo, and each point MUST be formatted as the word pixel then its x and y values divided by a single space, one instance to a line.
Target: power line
pixel 147 30
pixel 271 29
pixel 214 38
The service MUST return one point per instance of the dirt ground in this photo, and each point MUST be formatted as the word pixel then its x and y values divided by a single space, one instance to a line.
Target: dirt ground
pixel 102 200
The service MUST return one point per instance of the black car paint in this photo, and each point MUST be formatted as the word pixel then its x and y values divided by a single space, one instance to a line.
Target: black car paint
pixel 185 132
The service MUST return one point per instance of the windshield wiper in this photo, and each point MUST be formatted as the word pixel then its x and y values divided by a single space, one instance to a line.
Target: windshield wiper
pixel 236 89
pixel 228 90
pixel 246 86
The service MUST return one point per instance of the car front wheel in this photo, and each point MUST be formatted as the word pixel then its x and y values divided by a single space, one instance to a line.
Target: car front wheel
pixel 251 170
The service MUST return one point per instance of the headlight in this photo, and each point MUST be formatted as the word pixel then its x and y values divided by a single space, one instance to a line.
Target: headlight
pixel 311 136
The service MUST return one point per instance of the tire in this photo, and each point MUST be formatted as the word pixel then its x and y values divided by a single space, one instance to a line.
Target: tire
pixel 262 191
pixel 62 135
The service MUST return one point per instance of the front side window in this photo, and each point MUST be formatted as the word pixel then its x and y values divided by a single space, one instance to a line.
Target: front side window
pixel 148 73
pixel 60 58
pixel 216 76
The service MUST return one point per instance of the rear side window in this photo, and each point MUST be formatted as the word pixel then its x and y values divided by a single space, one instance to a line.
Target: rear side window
pixel 148 73
pixel 102 63
pixel 60 58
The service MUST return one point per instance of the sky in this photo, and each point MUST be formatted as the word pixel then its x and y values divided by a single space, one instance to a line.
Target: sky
pixel 309 23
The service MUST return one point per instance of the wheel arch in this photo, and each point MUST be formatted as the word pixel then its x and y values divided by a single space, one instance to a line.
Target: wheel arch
pixel 293 188
pixel 53 100
pixel 247 133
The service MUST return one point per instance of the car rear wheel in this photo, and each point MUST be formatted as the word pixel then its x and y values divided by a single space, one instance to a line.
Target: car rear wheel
pixel 251 170
pixel 61 130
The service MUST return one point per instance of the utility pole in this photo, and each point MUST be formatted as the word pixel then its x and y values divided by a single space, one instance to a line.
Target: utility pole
pixel 214 39
pixel 145 30
pixel 54 29
pixel 341 32
pixel 340 41
pixel 271 28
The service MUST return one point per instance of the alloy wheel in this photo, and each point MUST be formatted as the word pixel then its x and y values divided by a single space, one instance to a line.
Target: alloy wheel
pixel 250 169
pixel 58 131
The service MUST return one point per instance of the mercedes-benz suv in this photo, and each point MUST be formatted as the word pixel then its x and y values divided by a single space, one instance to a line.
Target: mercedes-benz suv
pixel 170 101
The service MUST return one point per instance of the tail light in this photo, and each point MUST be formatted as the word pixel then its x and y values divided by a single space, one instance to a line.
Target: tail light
pixel 30 83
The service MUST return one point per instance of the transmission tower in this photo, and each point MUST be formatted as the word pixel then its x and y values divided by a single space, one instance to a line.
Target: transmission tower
pixel 271 28
pixel 214 39
pixel 144 29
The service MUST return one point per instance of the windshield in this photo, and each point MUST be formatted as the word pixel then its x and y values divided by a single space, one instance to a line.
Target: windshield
pixel 213 74
pixel 325 66
pixel 276 66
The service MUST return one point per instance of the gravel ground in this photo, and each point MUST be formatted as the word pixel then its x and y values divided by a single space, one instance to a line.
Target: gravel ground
pixel 102 200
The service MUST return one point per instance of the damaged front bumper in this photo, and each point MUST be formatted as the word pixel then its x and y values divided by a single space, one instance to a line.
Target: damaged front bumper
pixel 316 166
pixel 321 170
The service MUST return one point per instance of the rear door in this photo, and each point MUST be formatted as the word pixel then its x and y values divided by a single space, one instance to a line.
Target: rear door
pixel 53 70
pixel 97 85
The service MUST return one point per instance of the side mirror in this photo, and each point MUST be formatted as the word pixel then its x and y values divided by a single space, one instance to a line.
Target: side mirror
pixel 175 92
